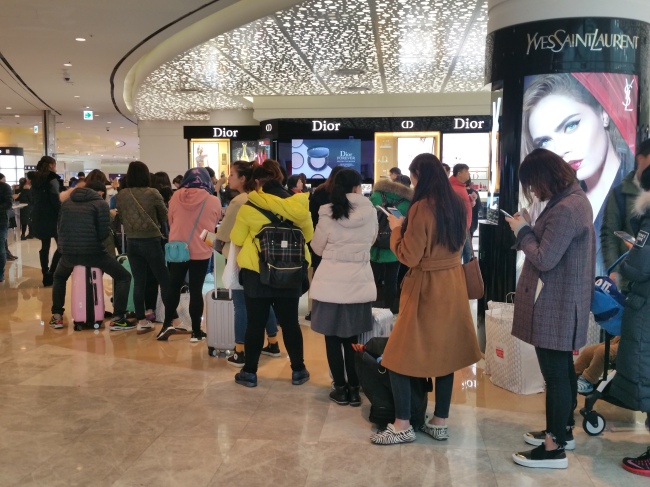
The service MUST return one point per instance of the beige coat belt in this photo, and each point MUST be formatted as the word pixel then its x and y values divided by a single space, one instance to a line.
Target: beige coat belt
pixel 431 265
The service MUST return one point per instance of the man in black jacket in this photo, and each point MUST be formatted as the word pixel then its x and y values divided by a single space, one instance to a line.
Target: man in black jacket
pixel 6 201
pixel 83 226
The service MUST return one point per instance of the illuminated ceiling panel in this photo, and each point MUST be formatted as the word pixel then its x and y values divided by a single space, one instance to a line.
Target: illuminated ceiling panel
pixel 323 47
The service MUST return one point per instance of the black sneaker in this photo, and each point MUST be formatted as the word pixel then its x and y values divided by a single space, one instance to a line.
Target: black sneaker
pixel 355 398
pixel 308 316
pixel 165 333
pixel 639 465
pixel 120 323
pixel 540 458
pixel 299 377
pixel 197 336
pixel 237 359
pixel 340 395
pixel 247 379
pixel 537 438
pixel 272 350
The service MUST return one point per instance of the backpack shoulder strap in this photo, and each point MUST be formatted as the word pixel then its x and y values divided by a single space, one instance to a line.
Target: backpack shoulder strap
pixel 268 214
pixel 384 201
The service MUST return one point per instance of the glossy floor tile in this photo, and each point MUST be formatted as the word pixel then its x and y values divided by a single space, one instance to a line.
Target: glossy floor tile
pixel 102 408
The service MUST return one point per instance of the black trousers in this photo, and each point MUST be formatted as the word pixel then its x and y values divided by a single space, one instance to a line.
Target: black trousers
pixel 561 390
pixel 44 256
pixel 386 272
pixel 286 311
pixel 401 386
pixel 177 273
pixel 340 357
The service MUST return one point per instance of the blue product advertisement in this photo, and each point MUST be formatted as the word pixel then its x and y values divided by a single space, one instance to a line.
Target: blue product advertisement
pixel 316 158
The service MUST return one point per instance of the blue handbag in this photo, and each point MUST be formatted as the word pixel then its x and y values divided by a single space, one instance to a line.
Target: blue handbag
pixel 179 251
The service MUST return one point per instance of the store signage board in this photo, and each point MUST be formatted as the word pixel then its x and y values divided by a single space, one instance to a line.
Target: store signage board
pixel 88 114
pixel 240 132
pixel 324 126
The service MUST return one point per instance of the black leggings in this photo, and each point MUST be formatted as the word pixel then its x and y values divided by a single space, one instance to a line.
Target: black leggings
pixel 386 272
pixel 44 255
pixel 177 272
pixel 561 390
pixel 401 386
pixel 341 360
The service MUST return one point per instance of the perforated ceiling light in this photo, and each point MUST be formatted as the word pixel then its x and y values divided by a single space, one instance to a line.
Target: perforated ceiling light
pixel 322 47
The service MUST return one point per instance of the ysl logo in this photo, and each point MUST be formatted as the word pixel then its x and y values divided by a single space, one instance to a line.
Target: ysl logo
pixel 628 100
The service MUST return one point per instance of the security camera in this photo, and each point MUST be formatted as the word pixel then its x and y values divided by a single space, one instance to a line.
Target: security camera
pixel 66 78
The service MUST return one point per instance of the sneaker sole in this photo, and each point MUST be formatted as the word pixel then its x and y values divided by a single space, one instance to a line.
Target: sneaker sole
pixel 163 338
pixel 145 330
pixel 340 403
pixel 234 364
pixel 409 440
pixel 300 382
pixel 122 328
pixel 355 404
pixel 274 355
pixel 56 327
pixel 245 383
pixel 570 444
pixel 559 464
pixel 645 473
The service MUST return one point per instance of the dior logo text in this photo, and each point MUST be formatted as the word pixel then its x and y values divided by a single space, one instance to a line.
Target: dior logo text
pixel 460 123
pixel 222 132
pixel 268 127
pixel 594 41
pixel 324 126
pixel 407 124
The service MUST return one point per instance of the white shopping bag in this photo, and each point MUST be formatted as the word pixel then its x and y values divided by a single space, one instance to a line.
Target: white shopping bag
pixel 511 363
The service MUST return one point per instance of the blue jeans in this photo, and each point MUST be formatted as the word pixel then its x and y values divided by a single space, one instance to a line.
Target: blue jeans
pixel 241 318
pixel 467 250
pixel 3 250
pixel 146 255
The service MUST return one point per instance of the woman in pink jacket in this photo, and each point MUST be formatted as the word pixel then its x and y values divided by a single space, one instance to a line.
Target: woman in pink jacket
pixel 191 209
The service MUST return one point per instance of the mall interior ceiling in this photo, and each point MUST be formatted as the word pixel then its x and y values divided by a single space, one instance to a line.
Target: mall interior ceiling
pixel 159 60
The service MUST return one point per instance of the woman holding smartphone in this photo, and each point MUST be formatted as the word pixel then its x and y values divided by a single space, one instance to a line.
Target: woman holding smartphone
pixel 554 294
pixel 434 334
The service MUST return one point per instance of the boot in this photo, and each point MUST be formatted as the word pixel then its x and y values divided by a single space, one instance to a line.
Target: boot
pixel 355 398
pixel 340 395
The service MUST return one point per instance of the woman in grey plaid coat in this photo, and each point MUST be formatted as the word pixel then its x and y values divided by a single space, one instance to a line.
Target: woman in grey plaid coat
pixel 554 294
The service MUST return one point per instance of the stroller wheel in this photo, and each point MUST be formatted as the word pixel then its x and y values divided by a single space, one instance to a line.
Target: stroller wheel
pixel 593 424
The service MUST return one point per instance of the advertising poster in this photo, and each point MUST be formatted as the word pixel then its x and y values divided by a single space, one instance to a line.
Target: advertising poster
pixel 316 158
pixel 210 153
pixel 589 119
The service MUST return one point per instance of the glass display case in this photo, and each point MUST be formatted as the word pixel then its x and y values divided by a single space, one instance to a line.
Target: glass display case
pixel 397 149
pixel 12 164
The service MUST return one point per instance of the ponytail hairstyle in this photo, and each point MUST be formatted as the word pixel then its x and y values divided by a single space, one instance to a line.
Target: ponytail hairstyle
pixel 268 171
pixel 344 183
pixel 245 170
pixel 43 166
pixel 434 187
pixel 329 182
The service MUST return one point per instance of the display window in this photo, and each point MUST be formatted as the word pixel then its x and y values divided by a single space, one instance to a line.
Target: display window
pixel 472 150
pixel 398 149
pixel 212 153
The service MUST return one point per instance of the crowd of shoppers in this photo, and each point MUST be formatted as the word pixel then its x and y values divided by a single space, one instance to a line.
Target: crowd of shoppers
pixel 434 334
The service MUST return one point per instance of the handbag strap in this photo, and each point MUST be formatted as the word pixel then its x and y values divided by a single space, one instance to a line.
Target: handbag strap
pixel 145 212
pixel 196 222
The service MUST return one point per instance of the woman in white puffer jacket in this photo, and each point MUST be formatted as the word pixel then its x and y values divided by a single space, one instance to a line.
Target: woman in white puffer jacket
pixel 343 288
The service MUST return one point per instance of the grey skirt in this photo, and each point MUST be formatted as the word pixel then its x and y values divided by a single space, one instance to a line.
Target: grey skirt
pixel 341 320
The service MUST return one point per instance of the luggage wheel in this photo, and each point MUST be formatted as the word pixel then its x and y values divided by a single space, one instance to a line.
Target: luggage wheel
pixel 212 351
pixel 593 423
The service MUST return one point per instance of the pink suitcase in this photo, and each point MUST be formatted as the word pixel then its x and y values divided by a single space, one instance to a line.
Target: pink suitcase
pixel 87 297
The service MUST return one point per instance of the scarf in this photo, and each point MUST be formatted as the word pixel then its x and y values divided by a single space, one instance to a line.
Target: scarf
pixel 198 177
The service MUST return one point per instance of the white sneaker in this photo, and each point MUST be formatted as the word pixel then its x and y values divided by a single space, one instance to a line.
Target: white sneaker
pixel 392 437
pixel 144 326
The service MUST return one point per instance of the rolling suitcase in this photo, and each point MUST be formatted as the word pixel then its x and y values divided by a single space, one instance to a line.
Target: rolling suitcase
pixel 87 297
pixel 383 321
pixel 219 321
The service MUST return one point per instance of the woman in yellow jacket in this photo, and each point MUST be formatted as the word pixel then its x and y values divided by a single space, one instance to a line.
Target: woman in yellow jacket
pixel 270 195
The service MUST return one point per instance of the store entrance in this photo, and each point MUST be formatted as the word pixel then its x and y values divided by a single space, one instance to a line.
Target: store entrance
pixel 397 149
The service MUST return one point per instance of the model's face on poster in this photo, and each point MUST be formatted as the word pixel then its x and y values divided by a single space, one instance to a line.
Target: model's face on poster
pixel 573 130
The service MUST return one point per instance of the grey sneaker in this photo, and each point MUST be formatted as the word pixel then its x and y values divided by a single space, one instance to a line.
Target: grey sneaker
pixel 145 326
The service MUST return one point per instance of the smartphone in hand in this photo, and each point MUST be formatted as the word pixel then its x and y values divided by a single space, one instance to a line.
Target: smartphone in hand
pixel 507 215
pixel 379 207
pixel 395 212
pixel 625 236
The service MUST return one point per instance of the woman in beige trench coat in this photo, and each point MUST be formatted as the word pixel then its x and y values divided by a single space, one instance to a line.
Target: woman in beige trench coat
pixel 434 334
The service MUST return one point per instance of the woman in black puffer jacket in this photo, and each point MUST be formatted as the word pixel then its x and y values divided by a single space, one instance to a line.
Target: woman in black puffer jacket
pixel 45 190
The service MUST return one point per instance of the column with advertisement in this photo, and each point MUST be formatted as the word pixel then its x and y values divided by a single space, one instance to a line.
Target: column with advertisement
pixel 578 88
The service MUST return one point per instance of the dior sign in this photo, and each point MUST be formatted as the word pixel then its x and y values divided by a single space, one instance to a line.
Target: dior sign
pixel 593 41
pixel 407 124
pixel 222 132
pixel 466 123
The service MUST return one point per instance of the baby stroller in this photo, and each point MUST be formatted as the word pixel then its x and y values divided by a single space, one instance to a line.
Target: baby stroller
pixel 607 307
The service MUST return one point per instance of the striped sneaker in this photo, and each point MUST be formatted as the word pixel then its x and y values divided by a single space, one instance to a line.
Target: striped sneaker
pixel 440 433
pixel 391 437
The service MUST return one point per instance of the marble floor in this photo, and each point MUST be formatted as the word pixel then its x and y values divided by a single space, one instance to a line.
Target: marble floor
pixel 114 408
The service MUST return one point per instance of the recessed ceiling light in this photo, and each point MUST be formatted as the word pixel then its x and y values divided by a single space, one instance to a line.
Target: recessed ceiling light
pixel 87 108
pixel 8 108
pixel 121 127
pixel 80 39
pixel 96 115
pixel 67 127
pixel 67 65
pixel 17 116
pixel 109 122
pixel 76 96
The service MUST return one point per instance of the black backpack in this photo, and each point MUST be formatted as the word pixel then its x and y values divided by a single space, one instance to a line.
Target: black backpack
pixel 282 252
pixel 384 231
